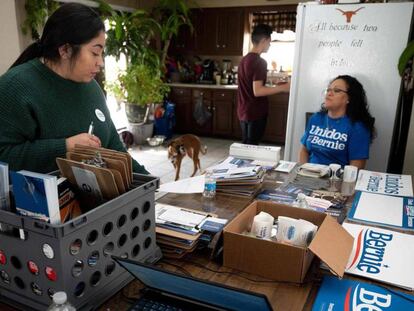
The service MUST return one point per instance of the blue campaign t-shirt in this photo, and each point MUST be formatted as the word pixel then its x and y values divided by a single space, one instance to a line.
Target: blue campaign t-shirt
pixel 338 140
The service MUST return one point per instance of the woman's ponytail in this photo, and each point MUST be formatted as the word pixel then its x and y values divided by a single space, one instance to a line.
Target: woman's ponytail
pixel 34 50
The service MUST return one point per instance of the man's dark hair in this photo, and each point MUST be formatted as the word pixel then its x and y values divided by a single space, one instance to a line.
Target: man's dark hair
pixel 261 31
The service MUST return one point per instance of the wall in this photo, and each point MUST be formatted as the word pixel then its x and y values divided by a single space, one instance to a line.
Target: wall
pixel 230 3
pixel 9 34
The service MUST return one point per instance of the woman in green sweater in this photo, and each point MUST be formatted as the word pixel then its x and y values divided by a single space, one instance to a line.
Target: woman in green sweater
pixel 48 98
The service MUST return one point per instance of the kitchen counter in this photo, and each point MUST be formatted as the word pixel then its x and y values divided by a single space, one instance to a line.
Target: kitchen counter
pixel 204 86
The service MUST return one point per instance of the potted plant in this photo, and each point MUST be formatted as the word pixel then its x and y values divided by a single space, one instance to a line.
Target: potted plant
pixel 129 34
pixel 140 85
pixel 134 35
pixel 170 15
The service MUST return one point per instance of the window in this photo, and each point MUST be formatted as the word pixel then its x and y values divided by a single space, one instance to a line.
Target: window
pixel 281 51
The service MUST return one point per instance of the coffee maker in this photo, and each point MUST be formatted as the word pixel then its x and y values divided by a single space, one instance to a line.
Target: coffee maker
pixel 208 72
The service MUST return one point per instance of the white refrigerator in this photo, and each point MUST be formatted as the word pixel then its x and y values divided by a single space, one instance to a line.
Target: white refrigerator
pixel 362 40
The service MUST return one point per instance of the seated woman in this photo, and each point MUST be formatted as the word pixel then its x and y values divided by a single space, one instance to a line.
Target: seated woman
pixel 343 129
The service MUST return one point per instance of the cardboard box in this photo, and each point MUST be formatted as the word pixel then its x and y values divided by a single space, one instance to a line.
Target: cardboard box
pixel 280 261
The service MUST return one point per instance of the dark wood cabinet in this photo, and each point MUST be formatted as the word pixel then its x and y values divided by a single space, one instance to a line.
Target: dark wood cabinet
pixel 202 121
pixel 223 112
pixel 218 105
pixel 184 41
pixel 215 32
pixel 221 32
pixel 187 38
pixel 181 97
pixel 217 116
pixel 221 105
pixel 277 119
pixel 229 31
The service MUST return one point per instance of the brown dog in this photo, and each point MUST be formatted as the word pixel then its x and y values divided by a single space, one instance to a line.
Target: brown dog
pixel 187 144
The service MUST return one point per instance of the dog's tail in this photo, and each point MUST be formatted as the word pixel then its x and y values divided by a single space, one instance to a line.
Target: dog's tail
pixel 203 150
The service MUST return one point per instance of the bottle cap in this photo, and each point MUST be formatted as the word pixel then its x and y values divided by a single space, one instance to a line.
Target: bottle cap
pixel 59 298
pixel 301 196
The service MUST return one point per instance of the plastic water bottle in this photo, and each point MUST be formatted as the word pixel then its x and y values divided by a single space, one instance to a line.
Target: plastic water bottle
pixel 301 201
pixel 60 303
pixel 209 185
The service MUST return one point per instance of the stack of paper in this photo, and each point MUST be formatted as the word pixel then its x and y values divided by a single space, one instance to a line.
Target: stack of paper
pixel 180 230
pixel 330 202
pixel 238 177
pixel 313 170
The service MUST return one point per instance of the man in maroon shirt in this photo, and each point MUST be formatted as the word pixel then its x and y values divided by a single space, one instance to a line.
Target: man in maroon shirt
pixel 252 103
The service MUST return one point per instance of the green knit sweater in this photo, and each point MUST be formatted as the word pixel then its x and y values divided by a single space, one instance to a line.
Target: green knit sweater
pixel 39 109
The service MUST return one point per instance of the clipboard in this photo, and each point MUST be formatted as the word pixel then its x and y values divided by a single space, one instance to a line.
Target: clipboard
pixel 107 153
pixel 116 166
pixel 104 176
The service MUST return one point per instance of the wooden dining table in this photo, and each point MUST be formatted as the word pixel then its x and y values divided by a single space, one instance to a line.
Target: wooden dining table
pixel 281 295
pixel 199 264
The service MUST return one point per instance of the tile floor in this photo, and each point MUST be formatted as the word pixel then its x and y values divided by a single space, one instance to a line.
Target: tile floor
pixel 156 161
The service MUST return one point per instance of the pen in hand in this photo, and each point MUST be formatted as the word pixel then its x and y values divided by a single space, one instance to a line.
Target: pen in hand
pixel 90 130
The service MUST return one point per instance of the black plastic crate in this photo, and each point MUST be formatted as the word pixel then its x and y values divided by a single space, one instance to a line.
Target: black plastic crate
pixel 75 257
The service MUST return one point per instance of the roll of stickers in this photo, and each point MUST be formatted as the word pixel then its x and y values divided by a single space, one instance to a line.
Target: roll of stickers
pixel 262 225
pixel 350 173
pixel 297 232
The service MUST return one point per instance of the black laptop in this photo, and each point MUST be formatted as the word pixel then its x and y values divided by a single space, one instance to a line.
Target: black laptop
pixel 168 291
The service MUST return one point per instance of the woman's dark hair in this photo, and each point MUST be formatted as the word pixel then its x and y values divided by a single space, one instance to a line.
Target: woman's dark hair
pixel 261 31
pixel 357 109
pixel 73 24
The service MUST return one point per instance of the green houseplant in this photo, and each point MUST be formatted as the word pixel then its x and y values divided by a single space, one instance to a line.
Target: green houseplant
pixel 136 35
pixel 130 34
pixel 170 15
pixel 140 84
pixel 405 66
pixel 37 12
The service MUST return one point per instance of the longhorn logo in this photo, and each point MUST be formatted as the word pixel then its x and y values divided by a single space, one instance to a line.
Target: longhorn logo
pixel 349 14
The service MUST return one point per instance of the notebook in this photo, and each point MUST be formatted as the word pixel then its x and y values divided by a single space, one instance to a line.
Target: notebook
pixel 187 293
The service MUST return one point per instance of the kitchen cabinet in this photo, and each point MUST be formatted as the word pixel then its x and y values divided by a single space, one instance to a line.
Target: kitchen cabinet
pixel 204 125
pixel 221 32
pixel 184 41
pixel 216 32
pixel 186 38
pixel 277 119
pixel 181 97
pixel 219 105
pixel 223 112
pixel 216 102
